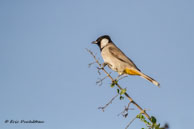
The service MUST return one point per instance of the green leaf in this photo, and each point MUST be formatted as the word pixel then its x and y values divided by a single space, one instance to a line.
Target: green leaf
pixel 142 117
pixel 123 91
pixel 152 125
pixel 157 126
pixel 153 119
pixel 118 91
pixel 112 85
pixel 121 97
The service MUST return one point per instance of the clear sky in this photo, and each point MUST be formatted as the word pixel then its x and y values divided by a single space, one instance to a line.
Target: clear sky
pixel 44 72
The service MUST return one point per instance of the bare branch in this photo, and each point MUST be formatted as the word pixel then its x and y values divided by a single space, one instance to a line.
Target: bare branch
pixel 94 57
pixel 110 102
pixel 90 64
pixel 126 94
pixel 100 80
pixel 130 123
pixel 124 113
pixel 99 70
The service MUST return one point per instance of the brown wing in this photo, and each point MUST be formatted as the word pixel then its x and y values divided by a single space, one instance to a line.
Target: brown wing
pixel 116 52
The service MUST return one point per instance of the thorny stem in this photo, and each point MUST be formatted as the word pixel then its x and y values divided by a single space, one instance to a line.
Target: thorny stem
pixel 126 94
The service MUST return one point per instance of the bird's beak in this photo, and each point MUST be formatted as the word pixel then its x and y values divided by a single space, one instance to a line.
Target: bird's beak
pixel 94 42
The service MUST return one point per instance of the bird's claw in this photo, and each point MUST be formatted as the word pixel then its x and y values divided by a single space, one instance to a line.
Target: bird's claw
pixel 102 66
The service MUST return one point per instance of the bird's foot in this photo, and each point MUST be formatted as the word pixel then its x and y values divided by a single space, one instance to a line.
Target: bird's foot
pixel 102 66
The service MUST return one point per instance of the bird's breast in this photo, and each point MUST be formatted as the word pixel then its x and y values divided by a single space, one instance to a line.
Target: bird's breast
pixel 110 59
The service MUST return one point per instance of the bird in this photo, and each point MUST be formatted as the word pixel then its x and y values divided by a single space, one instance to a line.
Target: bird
pixel 117 60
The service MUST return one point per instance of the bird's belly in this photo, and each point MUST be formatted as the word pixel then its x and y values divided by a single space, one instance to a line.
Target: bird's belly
pixel 114 63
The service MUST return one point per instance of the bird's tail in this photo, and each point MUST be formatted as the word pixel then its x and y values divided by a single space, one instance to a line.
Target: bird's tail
pixel 133 71
pixel 149 79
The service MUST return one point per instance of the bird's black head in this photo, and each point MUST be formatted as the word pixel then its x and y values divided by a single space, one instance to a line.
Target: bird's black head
pixel 102 41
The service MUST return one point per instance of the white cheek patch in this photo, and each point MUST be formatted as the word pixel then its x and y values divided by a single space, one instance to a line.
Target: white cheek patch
pixel 104 42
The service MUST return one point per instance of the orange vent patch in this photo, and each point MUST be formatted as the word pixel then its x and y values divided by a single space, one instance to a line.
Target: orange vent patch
pixel 131 71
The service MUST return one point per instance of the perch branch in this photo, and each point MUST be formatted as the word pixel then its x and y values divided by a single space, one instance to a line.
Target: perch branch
pixel 126 94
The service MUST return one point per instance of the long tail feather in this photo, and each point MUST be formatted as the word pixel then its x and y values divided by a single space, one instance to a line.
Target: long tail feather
pixel 133 71
pixel 150 79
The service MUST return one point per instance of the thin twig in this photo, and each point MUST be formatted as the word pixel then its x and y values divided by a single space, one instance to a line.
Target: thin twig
pixel 124 113
pixel 99 70
pixel 130 123
pixel 110 102
pixel 90 64
pixel 127 95
pixel 100 80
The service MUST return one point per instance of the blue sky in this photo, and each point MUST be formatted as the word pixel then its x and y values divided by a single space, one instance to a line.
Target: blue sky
pixel 44 72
